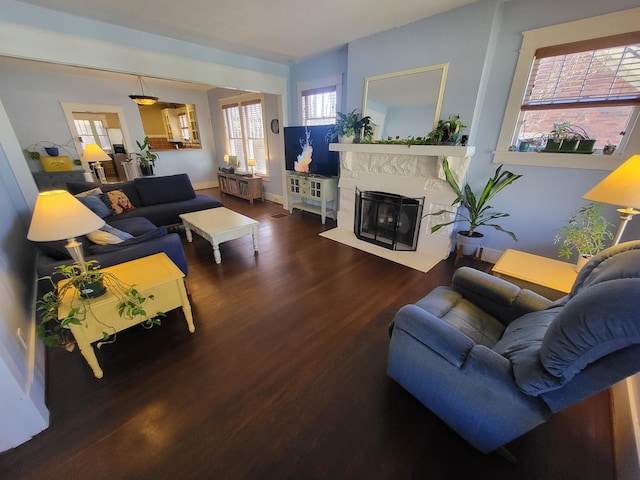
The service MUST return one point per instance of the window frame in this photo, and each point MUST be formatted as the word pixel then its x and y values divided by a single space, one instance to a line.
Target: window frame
pixel 327 82
pixel 576 31
pixel 238 102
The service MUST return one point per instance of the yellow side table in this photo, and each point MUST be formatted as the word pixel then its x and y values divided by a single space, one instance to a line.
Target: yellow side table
pixel 154 275
pixel 546 276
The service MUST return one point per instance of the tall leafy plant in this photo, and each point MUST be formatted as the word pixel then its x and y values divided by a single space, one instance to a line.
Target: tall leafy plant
pixel 477 211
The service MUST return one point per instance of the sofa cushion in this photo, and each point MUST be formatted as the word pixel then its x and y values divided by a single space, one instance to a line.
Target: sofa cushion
pixel 165 189
pixel 108 235
pixel 128 188
pixel 96 205
pixel 521 345
pixel 56 249
pixel 158 232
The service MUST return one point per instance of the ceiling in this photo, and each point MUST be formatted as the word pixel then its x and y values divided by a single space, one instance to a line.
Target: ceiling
pixel 284 31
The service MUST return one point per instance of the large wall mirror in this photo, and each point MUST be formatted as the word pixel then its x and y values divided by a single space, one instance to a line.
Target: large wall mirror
pixel 405 103
pixel 170 125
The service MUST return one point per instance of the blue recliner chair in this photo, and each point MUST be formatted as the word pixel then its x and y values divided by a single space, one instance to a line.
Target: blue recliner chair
pixel 493 361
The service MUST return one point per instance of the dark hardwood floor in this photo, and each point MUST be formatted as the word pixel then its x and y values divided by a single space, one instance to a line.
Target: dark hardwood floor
pixel 284 378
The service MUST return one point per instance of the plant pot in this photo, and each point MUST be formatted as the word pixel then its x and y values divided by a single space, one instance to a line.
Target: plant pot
pixel 585 146
pixel 569 145
pixel 582 261
pixel 52 151
pixel 524 146
pixel 147 170
pixel 92 290
pixel 552 146
pixel 468 245
pixel 342 139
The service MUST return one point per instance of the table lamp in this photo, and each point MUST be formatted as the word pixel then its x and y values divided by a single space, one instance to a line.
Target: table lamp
pixel 252 165
pixel 58 215
pixel 93 153
pixel 620 187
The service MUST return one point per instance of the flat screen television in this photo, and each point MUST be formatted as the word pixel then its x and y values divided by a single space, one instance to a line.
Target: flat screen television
pixel 306 150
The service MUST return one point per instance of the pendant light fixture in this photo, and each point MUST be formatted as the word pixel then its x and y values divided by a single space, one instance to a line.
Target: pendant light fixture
pixel 143 99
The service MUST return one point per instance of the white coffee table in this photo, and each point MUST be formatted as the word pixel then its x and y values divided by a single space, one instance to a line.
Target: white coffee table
pixel 219 225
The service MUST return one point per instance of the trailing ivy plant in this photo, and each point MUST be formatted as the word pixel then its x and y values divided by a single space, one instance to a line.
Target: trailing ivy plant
pixel 55 332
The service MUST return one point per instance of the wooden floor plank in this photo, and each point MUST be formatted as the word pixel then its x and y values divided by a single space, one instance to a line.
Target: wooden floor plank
pixel 283 378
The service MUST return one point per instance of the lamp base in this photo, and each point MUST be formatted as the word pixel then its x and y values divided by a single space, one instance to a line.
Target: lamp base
pixel 626 214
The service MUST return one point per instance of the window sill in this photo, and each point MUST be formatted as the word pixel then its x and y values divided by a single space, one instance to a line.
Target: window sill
pixel 559 160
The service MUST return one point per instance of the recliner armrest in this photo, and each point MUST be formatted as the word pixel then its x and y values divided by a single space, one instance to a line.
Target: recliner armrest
pixel 499 298
pixel 445 340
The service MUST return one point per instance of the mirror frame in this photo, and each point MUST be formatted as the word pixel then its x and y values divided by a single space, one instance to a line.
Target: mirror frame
pixel 443 67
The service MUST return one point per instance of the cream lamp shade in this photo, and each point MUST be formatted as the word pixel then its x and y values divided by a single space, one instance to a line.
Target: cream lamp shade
pixel 620 187
pixel 93 153
pixel 58 215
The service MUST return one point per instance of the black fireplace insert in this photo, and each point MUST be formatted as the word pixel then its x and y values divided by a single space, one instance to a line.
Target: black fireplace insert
pixel 388 220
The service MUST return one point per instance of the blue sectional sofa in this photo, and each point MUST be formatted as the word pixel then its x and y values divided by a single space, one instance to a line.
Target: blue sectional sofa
pixel 152 203
pixel 158 199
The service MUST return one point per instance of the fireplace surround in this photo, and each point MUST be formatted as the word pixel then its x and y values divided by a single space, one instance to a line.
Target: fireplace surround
pixel 414 172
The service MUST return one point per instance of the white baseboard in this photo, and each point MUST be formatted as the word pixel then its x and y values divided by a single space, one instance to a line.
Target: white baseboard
pixel 625 413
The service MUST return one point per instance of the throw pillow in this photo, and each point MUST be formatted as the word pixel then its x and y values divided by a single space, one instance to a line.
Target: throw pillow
pixel 86 193
pixel 117 201
pixel 96 205
pixel 108 235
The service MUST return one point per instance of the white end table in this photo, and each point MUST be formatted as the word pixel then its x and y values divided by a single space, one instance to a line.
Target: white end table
pixel 546 276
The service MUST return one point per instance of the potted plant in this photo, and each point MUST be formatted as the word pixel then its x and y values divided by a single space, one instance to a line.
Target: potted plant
pixel 585 233
pixel 478 211
pixel 146 158
pixel 85 281
pixel 50 149
pixel 350 127
pixel 446 132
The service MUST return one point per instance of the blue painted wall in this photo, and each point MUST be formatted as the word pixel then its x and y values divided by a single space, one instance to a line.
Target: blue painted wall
pixel 481 44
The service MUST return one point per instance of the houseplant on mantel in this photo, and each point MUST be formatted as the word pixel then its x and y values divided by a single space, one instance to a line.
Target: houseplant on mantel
pixel 585 233
pixel 478 211
pixel 351 127
pixel 86 280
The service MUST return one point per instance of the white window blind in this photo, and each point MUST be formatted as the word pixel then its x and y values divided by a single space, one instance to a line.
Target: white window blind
pixel 319 106
pixel 587 74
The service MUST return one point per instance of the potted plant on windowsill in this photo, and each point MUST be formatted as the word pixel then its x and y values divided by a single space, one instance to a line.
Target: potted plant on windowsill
pixel 146 158
pixel 586 233
pixel 85 281
pixel 478 211
pixel 351 127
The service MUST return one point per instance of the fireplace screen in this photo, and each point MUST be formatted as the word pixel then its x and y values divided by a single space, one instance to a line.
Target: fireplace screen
pixel 388 220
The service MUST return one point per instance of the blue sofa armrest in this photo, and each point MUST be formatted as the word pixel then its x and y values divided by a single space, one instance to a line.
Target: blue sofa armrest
pixel 499 298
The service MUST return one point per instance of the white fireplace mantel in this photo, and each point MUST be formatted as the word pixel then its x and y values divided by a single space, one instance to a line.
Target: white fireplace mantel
pixel 420 150
pixel 412 171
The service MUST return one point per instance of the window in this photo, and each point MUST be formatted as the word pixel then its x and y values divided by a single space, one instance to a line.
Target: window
pixel 319 100
pixel 319 106
pixel 92 130
pixel 184 126
pixel 594 84
pixel 244 127
pixel 585 72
